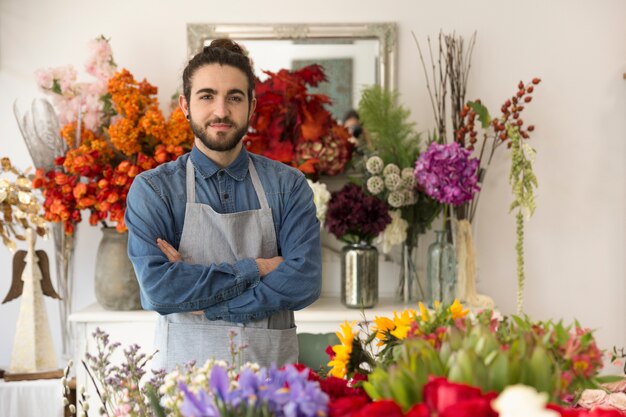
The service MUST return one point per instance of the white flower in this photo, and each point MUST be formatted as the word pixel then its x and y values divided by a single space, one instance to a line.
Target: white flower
pixel 375 185
pixel 592 397
pixel 321 197
pixel 395 199
pixel 394 233
pixel 392 181
pixel 408 178
pixel 617 400
pixel 374 165
pixel 391 169
pixel 409 197
pixel 522 401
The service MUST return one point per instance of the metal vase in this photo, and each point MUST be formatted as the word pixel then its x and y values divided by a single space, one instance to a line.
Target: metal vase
pixel 359 276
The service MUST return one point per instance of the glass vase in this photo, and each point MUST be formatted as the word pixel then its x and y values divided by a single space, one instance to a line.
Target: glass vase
pixel 64 245
pixel 441 270
pixel 409 286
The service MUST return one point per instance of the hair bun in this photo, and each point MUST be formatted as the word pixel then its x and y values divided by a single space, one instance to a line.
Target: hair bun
pixel 227 44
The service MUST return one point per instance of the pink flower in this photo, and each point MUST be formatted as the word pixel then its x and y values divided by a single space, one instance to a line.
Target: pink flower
pixel 447 173
pixel 100 64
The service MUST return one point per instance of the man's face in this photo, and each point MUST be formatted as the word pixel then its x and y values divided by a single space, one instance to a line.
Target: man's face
pixel 218 106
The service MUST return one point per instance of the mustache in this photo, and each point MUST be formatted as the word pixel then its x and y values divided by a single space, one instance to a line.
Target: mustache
pixel 224 120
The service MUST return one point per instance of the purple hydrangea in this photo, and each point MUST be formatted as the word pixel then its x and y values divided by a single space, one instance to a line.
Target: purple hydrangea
pixel 353 216
pixel 447 173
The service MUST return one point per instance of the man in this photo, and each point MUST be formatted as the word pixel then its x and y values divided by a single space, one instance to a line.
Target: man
pixel 223 241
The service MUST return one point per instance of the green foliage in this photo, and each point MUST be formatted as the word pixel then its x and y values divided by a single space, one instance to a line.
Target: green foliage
pixel 392 135
pixel 522 177
pixel 519 352
pixel 523 181
pixel 404 378
pixel 481 112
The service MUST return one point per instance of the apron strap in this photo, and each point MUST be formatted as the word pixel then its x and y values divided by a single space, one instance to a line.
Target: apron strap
pixel 258 187
pixel 191 182
pixel 256 182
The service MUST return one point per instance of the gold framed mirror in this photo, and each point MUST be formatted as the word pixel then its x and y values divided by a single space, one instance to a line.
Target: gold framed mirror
pixel 353 55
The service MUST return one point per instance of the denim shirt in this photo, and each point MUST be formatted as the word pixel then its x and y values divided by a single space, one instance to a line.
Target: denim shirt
pixel 232 292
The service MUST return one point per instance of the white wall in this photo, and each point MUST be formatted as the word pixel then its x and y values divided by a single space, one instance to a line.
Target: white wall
pixel 575 243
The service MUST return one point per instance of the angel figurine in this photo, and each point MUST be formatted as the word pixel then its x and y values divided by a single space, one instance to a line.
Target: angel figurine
pixel 33 354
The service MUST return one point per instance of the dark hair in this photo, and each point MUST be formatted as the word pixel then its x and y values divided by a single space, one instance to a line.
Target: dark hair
pixel 224 52
pixel 350 114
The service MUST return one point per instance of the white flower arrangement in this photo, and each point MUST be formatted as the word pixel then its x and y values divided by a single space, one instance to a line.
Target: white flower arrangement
pixel 321 197
pixel 390 183
pixel 394 233
pixel 393 181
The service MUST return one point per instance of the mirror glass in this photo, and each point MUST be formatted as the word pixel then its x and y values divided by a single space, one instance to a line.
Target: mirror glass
pixel 353 56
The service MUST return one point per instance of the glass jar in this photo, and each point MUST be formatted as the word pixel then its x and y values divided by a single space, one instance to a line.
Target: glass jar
pixel 441 270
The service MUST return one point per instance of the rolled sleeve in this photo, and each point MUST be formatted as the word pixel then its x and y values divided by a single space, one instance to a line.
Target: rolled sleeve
pixel 169 287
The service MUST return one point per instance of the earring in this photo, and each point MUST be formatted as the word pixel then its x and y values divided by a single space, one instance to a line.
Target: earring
pixel 187 116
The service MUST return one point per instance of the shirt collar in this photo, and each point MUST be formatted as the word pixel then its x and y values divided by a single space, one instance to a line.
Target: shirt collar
pixel 238 169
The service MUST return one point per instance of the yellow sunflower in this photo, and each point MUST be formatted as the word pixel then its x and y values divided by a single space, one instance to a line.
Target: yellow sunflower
pixel 342 351
pixel 383 327
pixel 403 323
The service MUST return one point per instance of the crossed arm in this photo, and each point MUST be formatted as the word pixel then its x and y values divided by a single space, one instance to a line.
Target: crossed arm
pixel 266 265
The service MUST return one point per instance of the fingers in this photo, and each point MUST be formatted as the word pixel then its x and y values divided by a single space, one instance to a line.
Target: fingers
pixel 168 250
pixel 197 313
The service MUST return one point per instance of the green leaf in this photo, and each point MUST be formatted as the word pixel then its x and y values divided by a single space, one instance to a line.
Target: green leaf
pixel 541 367
pixel 607 379
pixel 159 411
pixel 481 112
pixel 498 372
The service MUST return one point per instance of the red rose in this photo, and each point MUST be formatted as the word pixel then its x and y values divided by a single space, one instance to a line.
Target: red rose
pixel 475 407
pixel 346 406
pixel 418 410
pixel 439 394
pixel 382 408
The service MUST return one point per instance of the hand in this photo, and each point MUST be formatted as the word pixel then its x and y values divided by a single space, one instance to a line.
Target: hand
pixel 172 254
pixel 267 265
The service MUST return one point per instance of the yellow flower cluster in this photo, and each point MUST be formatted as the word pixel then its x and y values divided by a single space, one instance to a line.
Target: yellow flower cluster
pixel 427 324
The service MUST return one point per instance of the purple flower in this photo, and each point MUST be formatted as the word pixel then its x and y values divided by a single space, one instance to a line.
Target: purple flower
pixel 447 173
pixel 353 216
pixel 200 406
pixel 219 382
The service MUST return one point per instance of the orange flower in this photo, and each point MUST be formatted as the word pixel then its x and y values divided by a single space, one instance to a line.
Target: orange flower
pixel 125 137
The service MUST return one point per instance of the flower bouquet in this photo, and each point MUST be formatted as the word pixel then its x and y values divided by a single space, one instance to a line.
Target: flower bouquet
pixel 292 125
pixel 466 118
pixel 389 155
pixel 114 130
pixel 355 217
pixel 408 358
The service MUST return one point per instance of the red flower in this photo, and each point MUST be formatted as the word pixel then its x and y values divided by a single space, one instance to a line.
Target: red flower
pixel 382 408
pixel 476 407
pixel 293 126
pixel 418 410
pixel 339 388
pixel 439 394
pixel 346 406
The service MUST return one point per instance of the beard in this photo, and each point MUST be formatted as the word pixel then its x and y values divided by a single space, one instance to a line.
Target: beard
pixel 223 141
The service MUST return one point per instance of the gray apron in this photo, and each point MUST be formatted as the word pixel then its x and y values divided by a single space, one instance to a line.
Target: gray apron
pixel 210 237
